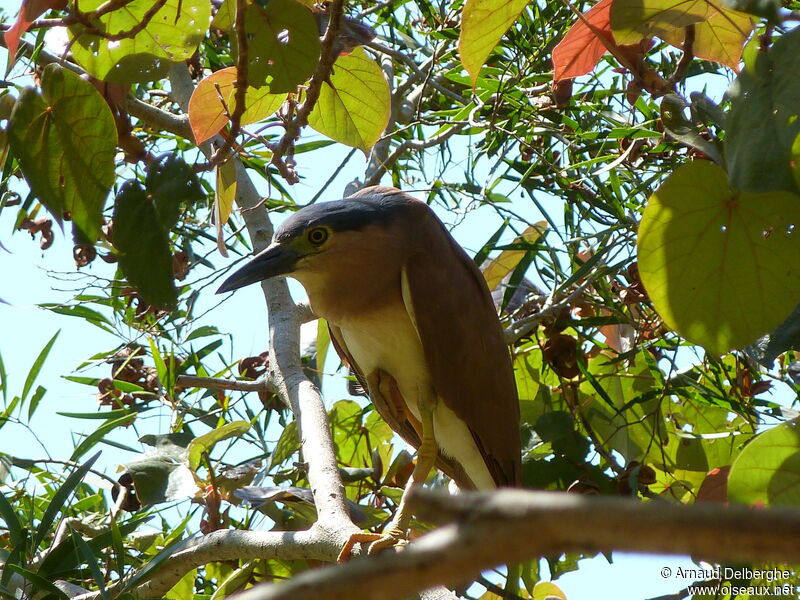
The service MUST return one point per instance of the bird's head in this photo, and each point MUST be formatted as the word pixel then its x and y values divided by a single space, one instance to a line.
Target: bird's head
pixel 327 239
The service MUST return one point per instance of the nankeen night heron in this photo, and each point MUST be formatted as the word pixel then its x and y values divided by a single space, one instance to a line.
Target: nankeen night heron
pixel 409 312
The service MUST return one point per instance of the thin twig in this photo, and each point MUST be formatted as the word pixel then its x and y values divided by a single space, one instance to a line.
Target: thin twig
pixel 217 383
pixel 240 85
pixel 322 74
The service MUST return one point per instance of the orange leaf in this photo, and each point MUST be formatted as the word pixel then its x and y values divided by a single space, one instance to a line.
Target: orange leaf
pixel 212 103
pixel 582 46
pixel 28 12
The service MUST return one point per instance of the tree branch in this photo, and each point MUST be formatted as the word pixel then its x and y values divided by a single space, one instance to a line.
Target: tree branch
pixel 507 526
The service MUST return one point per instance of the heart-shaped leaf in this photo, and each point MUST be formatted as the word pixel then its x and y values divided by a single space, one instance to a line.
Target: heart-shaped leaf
pixel 65 140
pixel 353 107
pixel 721 266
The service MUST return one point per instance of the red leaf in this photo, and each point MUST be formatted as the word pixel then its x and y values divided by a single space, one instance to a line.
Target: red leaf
pixel 28 12
pixel 581 48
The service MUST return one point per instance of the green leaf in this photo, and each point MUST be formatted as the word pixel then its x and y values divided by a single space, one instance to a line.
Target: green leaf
pixel 203 444
pixel 143 246
pixel 150 569
pixel 170 182
pixel 83 312
pixel 682 129
pixel 722 267
pixel 202 331
pixel 633 20
pixel 12 522
pixel 354 105
pixel 3 379
pixel 65 139
pixel 172 35
pixel 767 472
pixel 35 399
pixel 91 560
pixel 283 45
pixel 765 118
pixel 767 9
pixel 98 434
pixel 161 478
pixel 39 582
pixel 483 23
pixel 184 588
pixel 64 557
pixel 59 500
pixel 37 365
pixel 227 184
pixel 288 443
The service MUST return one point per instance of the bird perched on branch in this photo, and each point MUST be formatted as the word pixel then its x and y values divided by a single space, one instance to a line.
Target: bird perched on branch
pixel 409 312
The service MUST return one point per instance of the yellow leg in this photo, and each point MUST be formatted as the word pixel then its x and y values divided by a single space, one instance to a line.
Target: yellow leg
pixel 396 530
pixel 426 457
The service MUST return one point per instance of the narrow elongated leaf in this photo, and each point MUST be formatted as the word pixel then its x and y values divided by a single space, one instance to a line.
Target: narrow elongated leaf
pixel 65 139
pixel 60 498
pixel 722 267
pixel 353 107
pixel 40 582
pixel 12 522
pixel 91 560
pixel 64 557
pixel 171 35
pixel 224 199
pixel 97 435
pixel 35 399
pixel 483 23
pixel 508 260
pixel 37 365
pixel 143 246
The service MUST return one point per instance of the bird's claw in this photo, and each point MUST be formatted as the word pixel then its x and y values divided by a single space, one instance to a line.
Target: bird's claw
pixel 376 541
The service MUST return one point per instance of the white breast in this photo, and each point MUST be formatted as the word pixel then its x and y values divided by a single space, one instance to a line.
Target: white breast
pixel 387 339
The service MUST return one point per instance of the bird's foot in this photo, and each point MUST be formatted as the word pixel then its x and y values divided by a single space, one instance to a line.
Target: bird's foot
pixel 377 542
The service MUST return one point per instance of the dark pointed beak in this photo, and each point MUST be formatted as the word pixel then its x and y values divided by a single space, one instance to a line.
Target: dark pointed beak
pixel 270 262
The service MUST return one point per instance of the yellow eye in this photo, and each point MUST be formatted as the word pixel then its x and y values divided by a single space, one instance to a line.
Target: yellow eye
pixel 318 235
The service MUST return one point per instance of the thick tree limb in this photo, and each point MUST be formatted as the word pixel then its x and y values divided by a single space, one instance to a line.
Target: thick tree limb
pixel 508 526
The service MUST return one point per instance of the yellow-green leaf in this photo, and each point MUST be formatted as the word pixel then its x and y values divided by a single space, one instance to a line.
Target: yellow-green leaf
pixel 213 102
pixel 721 266
pixel 508 260
pixel 483 23
pixel 633 20
pixel 203 444
pixel 720 38
pixel 65 139
pixel 547 590
pixel 172 35
pixel 767 472
pixel 223 202
pixel 354 107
